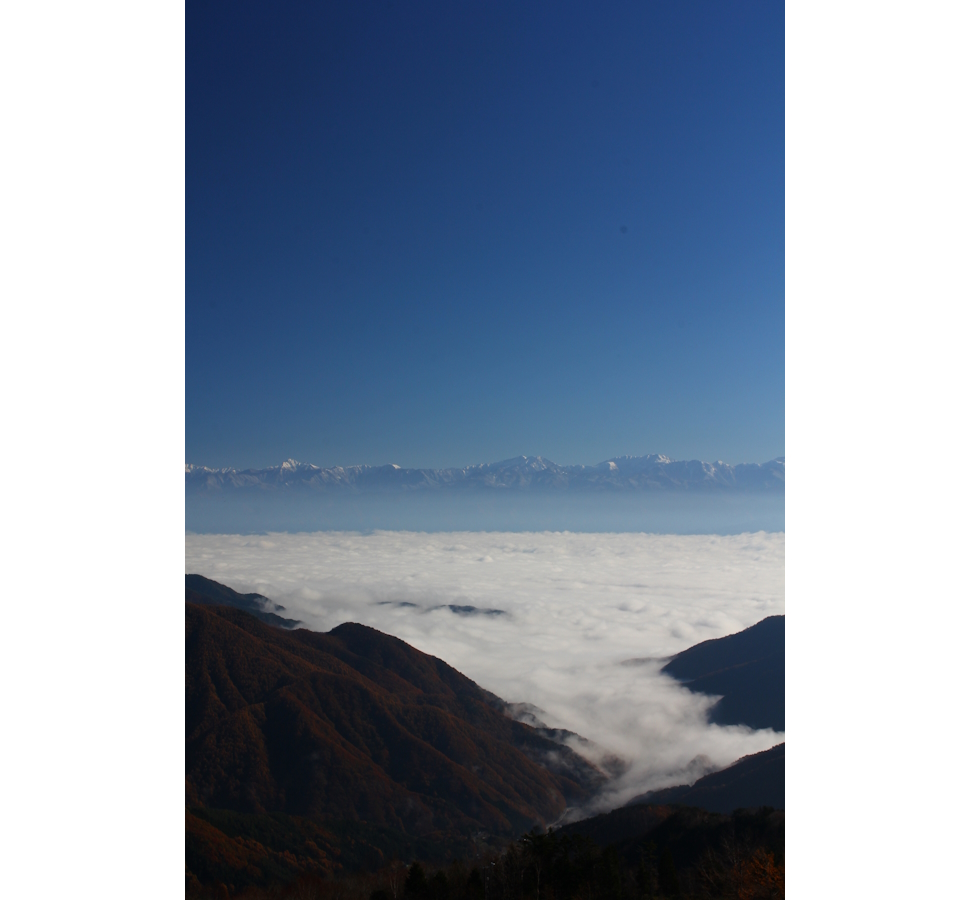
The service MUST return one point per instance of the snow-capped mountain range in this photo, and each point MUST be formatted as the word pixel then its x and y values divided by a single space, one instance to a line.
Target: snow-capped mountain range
pixel 522 473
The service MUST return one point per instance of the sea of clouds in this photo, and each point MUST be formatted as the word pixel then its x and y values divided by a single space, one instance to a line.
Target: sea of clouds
pixel 577 625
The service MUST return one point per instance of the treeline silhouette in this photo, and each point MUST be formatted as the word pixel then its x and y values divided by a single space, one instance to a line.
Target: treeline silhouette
pixel 689 854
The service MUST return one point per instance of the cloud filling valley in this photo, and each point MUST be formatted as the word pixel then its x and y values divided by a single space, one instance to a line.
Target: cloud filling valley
pixel 576 625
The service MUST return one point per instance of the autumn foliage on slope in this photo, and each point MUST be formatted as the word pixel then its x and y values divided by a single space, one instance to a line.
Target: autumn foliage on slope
pixel 351 726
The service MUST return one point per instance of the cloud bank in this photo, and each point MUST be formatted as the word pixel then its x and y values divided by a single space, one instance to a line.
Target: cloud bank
pixel 576 625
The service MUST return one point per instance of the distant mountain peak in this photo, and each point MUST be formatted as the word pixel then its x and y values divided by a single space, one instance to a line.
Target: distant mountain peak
pixel 295 465
pixel 653 472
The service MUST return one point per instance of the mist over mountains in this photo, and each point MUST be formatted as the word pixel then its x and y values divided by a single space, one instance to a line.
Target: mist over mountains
pixel 328 753
pixel 653 472
pixel 587 623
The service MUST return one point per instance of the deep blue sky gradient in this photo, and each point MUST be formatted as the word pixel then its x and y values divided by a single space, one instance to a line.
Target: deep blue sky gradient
pixel 446 233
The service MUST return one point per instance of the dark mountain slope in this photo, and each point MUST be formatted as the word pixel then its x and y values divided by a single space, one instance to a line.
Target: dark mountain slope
pixel 662 851
pixel 689 833
pixel 205 592
pixel 618 825
pixel 357 725
pixel 753 781
pixel 746 669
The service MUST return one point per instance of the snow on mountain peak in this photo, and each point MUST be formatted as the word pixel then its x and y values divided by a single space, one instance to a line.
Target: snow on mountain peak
pixel 651 472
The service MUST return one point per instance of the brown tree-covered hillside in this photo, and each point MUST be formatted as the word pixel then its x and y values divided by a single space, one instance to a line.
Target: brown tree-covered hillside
pixel 352 726
pixel 324 765
pixel 660 852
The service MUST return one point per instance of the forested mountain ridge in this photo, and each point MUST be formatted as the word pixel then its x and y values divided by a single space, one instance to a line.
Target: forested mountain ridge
pixel 357 726
pixel 206 592
pixel 330 756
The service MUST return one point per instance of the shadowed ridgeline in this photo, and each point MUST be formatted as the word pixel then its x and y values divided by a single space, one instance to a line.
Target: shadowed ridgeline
pixel 753 781
pixel 747 671
pixel 206 592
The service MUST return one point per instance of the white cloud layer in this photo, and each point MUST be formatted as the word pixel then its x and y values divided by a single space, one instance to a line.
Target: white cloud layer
pixel 577 608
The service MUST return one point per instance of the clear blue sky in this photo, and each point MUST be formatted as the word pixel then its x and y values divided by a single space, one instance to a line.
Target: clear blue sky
pixel 446 233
